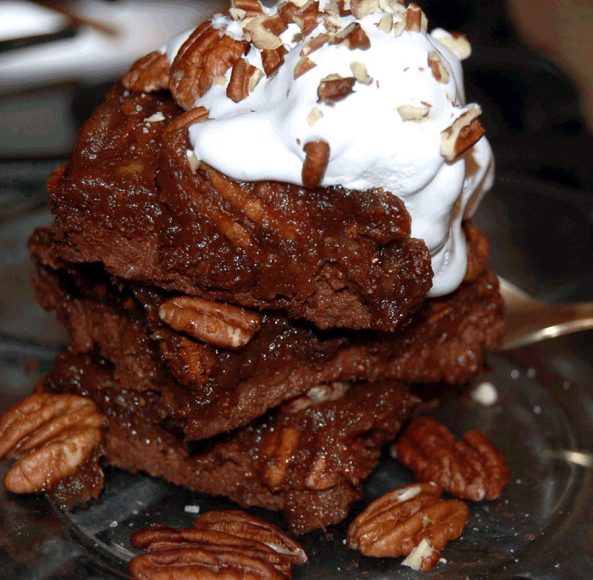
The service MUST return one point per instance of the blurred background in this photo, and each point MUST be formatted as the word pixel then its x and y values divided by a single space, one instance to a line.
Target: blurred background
pixel 531 71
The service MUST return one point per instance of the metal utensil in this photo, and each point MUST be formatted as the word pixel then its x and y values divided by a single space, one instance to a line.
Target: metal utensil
pixel 529 320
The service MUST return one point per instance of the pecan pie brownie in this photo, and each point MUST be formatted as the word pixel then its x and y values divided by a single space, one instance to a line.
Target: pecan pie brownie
pixel 263 254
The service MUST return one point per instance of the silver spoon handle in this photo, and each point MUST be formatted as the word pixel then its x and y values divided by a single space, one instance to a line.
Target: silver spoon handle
pixel 539 321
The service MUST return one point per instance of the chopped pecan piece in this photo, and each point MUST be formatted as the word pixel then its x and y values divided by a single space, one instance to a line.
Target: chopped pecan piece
pixel 248 6
pixel 409 521
pixel 148 74
pixel 439 71
pixel 457 43
pixel 220 545
pixel 415 19
pixel 211 322
pixel 263 34
pixel 413 112
pixel 244 78
pixel 362 8
pixel 464 133
pixel 304 65
pixel 205 55
pixel 314 44
pixel 307 17
pixel 272 60
pixel 471 468
pixel 51 436
pixel 353 36
pixel 315 164
pixel 334 88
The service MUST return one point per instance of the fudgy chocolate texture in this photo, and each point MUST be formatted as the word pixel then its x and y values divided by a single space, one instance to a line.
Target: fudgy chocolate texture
pixel 307 458
pixel 128 198
pixel 204 390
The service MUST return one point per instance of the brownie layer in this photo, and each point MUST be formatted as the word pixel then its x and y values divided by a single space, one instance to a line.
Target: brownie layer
pixel 307 458
pixel 204 390
pixel 129 199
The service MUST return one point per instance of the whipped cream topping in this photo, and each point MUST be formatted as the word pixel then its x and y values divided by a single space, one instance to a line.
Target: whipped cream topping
pixel 395 129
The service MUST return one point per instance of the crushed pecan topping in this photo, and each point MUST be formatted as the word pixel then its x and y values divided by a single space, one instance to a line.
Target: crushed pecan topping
pixel 409 521
pixel 360 72
pixel 362 8
pixel 415 19
pixel 353 36
pixel 439 71
pixel 222 544
pixel 315 164
pixel 211 322
pixel 304 65
pixel 148 74
pixel 263 34
pixel 206 54
pixel 315 44
pixel 386 23
pixel 471 468
pixel 334 88
pixel 463 134
pixel 272 60
pixel 307 17
pixel 248 6
pixel 244 78
pixel 413 112
pixel 314 115
pixel 458 44
pixel 51 436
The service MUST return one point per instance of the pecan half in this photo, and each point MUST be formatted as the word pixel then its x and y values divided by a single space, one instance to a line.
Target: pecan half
pixel 244 525
pixel 471 468
pixel 206 54
pixel 315 164
pixel 211 322
pixel 464 133
pixel 220 545
pixel 406 519
pixel 51 436
pixel 148 74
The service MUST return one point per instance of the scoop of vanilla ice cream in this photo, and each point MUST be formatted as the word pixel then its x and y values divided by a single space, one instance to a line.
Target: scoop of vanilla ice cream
pixel 386 133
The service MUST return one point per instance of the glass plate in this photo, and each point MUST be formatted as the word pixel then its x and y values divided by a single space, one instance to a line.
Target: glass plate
pixel 541 528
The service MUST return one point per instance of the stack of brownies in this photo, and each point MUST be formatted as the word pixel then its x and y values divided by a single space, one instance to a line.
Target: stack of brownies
pixel 253 339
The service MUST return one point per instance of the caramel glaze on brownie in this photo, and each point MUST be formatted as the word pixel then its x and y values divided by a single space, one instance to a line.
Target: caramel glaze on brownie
pixel 307 458
pixel 204 390
pixel 128 198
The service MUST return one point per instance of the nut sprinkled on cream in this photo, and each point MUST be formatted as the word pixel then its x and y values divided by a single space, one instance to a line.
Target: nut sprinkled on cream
pixel 362 77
